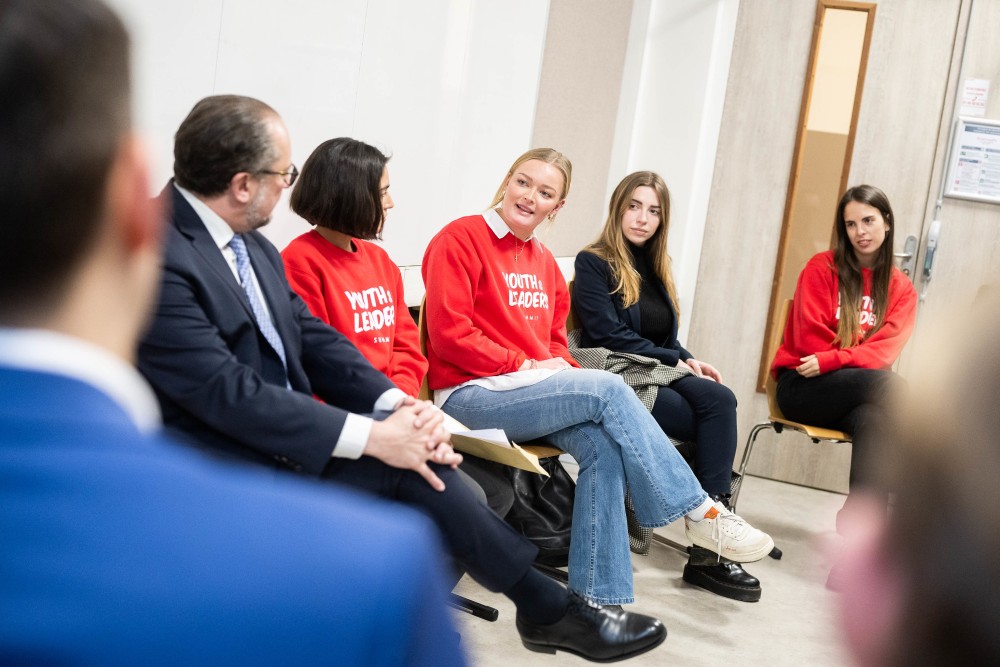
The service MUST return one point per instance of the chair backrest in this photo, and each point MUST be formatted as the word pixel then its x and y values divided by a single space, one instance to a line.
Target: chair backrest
pixel 572 322
pixel 425 389
pixel 771 385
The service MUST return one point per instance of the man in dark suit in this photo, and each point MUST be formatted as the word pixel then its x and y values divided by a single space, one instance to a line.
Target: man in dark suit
pixel 236 359
pixel 118 546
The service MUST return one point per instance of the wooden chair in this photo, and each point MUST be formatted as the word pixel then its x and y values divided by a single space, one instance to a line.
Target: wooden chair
pixel 776 421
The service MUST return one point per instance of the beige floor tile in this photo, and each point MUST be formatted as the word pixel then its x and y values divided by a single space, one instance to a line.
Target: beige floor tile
pixel 791 625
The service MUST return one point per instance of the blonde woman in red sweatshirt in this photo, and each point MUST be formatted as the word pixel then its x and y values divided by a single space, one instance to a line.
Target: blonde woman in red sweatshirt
pixel 496 313
pixel 852 314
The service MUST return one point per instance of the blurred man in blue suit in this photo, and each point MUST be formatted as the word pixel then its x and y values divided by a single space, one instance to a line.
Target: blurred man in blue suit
pixel 116 545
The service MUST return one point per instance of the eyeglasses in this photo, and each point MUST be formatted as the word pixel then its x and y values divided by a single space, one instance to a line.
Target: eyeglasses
pixel 289 175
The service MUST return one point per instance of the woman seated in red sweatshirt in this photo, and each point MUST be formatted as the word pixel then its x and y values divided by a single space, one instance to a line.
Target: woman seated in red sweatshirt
pixel 496 313
pixel 348 282
pixel 852 313
pixel 353 285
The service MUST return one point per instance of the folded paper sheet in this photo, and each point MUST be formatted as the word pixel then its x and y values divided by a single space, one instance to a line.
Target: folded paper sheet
pixel 492 445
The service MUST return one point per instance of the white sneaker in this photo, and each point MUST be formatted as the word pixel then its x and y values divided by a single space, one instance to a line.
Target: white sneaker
pixel 729 536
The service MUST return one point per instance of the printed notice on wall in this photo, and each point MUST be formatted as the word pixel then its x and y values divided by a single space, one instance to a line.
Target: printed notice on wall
pixel 974 171
pixel 974 96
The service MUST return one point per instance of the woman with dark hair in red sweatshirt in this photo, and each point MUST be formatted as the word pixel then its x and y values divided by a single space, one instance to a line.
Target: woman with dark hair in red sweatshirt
pixel 852 314
pixel 346 280
pixel 354 286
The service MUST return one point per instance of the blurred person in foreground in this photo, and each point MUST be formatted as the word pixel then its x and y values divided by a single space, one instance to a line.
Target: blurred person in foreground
pixel 117 546
pixel 920 587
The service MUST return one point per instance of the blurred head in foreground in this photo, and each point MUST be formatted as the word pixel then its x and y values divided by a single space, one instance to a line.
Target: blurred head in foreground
pixel 920 588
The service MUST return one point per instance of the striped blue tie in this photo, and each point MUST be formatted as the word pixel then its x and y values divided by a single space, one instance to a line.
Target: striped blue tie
pixel 264 322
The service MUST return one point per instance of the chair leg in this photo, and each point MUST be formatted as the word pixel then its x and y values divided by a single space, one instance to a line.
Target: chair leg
pixel 472 607
pixel 751 440
pixel 669 543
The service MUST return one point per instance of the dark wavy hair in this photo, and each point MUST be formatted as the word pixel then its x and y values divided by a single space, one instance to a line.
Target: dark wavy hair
pixel 339 188
pixel 849 269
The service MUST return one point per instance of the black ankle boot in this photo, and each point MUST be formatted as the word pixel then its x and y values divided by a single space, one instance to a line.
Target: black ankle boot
pixel 723 498
pixel 720 576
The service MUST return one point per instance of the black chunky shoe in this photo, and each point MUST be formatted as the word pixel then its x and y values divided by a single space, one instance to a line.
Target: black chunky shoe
pixel 599 634
pixel 724 498
pixel 722 577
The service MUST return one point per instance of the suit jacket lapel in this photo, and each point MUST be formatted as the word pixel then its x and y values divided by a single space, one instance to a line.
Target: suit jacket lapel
pixel 670 304
pixel 191 226
pixel 272 286
pixel 632 315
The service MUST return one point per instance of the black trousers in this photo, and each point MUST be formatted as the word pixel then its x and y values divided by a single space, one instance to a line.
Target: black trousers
pixel 853 400
pixel 492 552
pixel 704 412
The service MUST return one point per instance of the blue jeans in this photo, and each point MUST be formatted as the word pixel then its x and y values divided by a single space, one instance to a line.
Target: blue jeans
pixel 597 418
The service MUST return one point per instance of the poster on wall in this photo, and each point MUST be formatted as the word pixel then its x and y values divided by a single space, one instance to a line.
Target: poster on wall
pixel 974 164
pixel 974 97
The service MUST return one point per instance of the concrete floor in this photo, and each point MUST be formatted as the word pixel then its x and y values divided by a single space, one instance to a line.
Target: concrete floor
pixel 791 625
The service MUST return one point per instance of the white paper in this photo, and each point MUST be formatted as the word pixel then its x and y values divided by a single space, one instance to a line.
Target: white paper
pixel 497 435
pixel 974 96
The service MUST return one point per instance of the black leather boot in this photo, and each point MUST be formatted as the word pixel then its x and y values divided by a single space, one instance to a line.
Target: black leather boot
pixel 721 576
pixel 723 498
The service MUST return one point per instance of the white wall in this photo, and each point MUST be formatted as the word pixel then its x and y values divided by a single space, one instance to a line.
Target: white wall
pixel 449 87
pixel 673 91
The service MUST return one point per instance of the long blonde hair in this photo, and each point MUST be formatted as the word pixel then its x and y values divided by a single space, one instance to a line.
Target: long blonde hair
pixel 612 247
pixel 546 155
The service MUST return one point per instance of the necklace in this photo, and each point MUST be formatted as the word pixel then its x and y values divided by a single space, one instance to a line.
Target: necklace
pixel 517 250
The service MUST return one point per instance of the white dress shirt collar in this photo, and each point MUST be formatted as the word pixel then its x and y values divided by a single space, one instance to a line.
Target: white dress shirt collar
pixel 218 228
pixel 58 354
pixel 499 227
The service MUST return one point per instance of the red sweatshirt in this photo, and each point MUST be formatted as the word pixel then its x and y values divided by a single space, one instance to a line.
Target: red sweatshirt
pixel 360 294
pixel 487 312
pixel 815 311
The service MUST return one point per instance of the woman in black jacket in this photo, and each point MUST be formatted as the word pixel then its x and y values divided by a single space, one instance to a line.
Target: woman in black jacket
pixel 625 301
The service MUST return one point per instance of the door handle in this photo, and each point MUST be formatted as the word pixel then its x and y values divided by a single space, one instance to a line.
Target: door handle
pixel 908 256
pixel 929 251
